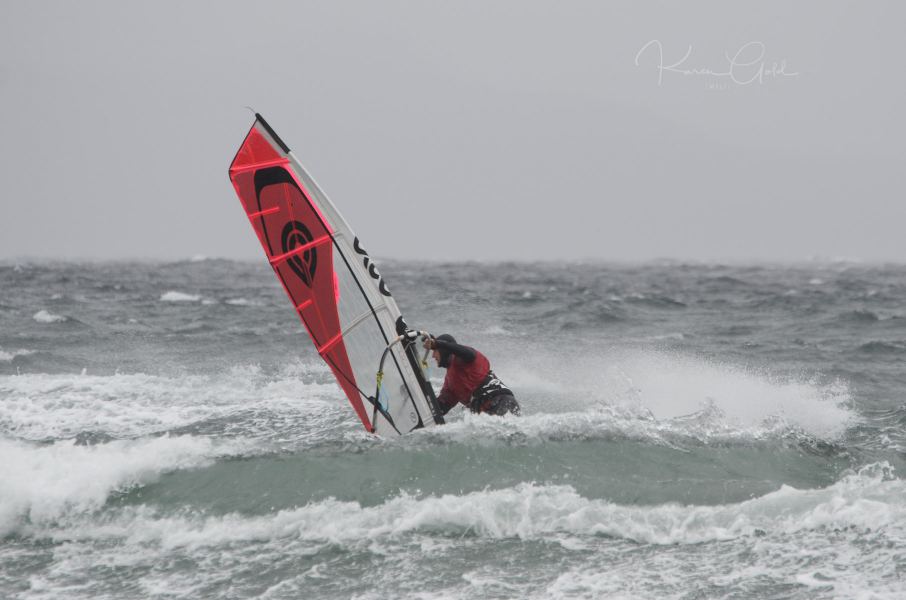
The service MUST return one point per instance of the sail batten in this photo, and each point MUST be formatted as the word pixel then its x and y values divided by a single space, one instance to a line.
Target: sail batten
pixel 299 249
pixel 333 284
pixel 256 166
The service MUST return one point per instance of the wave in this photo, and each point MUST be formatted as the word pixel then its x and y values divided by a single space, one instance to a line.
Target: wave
pixel 195 328
pixel 652 397
pixel 723 280
pixel 708 427
pixel 734 330
pixel 173 296
pixel 654 301
pixel 870 499
pixel 242 302
pixel 40 484
pixel 859 316
pixel 12 354
pixel 882 347
pixel 43 316
pixel 47 407
pixel 664 337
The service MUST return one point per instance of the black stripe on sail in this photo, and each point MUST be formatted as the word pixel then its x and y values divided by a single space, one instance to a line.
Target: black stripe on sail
pixel 272 176
pixel 272 133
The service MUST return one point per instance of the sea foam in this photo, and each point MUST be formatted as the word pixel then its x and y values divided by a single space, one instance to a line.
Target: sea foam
pixel 242 302
pixel 42 483
pixel 10 355
pixel 173 296
pixel 869 499
pixel 43 316
pixel 44 406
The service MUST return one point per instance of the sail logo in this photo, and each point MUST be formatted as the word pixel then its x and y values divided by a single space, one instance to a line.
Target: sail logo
pixel 296 234
pixel 370 267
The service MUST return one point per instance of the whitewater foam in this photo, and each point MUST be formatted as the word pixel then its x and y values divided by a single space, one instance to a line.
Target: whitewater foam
pixel 867 500
pixel 242 302
pixel 43 407
pixel 174 296
pixel 42 483
pixel 9 356
pixel 44 316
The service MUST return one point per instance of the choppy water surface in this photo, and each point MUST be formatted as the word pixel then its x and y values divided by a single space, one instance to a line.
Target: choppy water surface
pixel 689 431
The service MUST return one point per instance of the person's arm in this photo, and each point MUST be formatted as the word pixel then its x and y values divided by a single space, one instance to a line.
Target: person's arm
pixel 464 353
pixel 445 400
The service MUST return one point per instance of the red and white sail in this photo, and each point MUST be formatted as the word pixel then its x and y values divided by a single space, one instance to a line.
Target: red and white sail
pixel 333 284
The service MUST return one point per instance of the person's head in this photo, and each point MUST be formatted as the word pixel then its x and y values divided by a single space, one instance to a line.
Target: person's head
pixel 440 357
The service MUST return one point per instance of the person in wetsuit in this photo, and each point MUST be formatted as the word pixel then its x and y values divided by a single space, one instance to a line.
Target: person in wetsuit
pixel 470 380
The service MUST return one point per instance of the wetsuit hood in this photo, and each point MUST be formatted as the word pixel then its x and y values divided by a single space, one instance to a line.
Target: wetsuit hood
pixel 445 354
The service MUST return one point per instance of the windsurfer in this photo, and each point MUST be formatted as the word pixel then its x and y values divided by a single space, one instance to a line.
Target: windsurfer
pixel 469 380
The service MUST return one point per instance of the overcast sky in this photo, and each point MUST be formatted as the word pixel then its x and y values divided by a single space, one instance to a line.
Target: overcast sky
pixel 461 130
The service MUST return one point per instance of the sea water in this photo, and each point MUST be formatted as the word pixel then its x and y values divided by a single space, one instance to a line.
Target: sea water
pixel 688 431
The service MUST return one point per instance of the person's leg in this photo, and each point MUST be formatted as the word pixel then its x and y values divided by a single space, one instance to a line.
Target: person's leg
pixel 503 405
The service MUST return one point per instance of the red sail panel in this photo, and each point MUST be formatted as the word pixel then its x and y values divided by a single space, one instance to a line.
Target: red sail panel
pixel 299 245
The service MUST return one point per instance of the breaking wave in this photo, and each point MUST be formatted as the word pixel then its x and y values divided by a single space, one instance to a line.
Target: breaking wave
pixel 173 296
pixel 44 316
pixel 40 484
pixel 870 499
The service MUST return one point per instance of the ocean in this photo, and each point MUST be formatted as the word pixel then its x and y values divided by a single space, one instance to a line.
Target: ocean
pixel 688 431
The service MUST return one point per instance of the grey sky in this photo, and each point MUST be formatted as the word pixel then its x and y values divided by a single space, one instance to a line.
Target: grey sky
pixel 458 130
